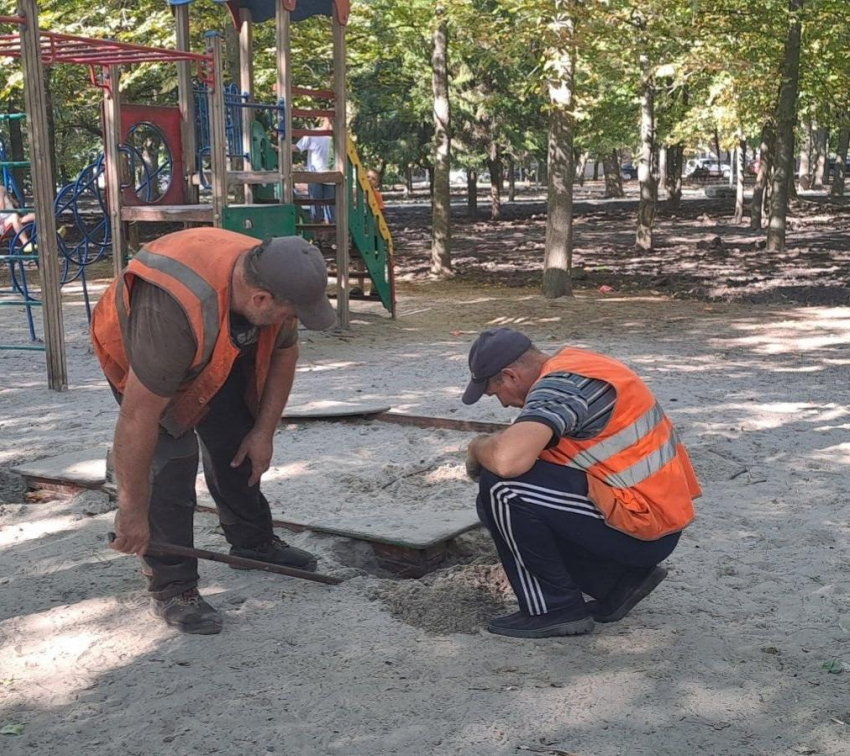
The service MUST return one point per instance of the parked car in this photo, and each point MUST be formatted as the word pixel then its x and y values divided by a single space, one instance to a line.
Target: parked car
pixel 703 168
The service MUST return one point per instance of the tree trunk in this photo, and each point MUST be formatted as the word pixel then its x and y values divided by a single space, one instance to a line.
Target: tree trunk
pixel 431 178
pixel 717 145
pixel 441 244
pixel 786 117
pixel 663 157
pixel 494 165
pixel 581 167
pixel 674 175
pixel 822 168
pixel 596 170
pixel 837 189
pixel 511 180
pixel 804 172
pixel 472 193
pixel 611 172
pixel 765 160
pixel 648 184
pixel 408 179
pixel 741 161
pixel 558 258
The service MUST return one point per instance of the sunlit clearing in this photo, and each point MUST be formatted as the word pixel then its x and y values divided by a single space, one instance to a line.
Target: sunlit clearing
pixel 27 531
pixel 48 657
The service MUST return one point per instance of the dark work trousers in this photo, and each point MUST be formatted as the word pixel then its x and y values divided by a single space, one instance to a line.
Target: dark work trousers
pixel 553 542
pixel 243 510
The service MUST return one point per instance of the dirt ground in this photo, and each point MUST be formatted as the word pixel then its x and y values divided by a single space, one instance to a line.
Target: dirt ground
pixel 745 649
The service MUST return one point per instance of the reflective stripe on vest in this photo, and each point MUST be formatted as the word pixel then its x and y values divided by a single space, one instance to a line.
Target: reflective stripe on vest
pixel 620 441
pixel 205 294
pixel 645 467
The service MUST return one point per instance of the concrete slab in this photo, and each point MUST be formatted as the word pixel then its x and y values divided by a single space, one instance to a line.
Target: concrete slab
pixel 86 469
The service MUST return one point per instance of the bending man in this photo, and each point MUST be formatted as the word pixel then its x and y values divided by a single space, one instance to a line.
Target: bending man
pixel 586 492
pixel 198 339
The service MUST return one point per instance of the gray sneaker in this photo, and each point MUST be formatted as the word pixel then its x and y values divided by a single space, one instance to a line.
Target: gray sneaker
pixel 188 612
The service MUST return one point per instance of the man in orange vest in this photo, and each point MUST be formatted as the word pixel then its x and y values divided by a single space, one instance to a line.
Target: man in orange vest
pixel 586 493
pixel 198 339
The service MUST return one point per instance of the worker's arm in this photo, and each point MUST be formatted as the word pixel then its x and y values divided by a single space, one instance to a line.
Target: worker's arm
pixel 511 452
pixel 136 436
pixel 258 445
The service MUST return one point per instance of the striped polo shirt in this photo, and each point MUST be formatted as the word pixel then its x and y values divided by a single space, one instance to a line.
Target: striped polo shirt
pixel 570 404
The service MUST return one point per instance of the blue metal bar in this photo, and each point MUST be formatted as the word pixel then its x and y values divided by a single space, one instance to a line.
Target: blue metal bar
pixel 22 348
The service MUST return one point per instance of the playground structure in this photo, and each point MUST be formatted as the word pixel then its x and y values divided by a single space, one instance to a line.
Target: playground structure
pixel 208 124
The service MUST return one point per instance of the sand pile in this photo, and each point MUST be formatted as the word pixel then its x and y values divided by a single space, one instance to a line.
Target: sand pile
pixel 459 599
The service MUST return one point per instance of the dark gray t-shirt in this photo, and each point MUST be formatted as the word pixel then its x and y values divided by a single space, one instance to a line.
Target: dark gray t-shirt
pixel 160 344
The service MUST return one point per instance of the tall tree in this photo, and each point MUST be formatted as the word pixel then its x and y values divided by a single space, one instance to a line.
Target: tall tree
pixel 560 74
pixel 646 175
pixel 441 255
pixel 786 117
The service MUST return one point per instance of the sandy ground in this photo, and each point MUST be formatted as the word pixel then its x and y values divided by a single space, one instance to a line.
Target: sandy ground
pixel 725 658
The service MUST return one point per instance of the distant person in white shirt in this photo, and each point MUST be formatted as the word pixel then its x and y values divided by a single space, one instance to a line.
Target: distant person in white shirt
pixel 318 149
pixel 12 221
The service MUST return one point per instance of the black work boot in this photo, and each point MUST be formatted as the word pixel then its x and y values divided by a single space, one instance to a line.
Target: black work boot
pixel 276 551
pixel 626 594
pixel 560 622
pixel 188 612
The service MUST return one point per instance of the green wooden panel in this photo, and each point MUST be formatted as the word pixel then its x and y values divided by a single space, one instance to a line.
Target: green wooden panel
pixel 261 221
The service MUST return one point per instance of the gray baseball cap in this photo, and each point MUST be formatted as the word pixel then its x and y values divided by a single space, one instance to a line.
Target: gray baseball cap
pixel 490 353
pixel 295 270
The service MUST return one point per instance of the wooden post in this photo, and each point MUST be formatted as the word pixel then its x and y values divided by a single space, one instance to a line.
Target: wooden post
pixel 246 84
pixel 340 156
pixel 284 92
pixel 187 105
pixel 43 192
pixel 112 153
pixel 218 139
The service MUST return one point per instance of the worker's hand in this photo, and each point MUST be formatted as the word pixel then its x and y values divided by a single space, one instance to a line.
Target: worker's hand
pixel 132 532
pixel 257 446
pixel 473 466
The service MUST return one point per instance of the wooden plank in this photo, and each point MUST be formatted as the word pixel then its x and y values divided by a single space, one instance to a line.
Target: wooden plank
pixel 246 82
pixel 284 88
pixel 340 156
pixel 42 178
pixel 330 415
pixel 186 101
pixel 218 140
pixel 298 133
pixel 319 94
pixel 447 423
pixel 252 177
pixel 177 213
pixel 318 177
pixel 112 153
pixel 312 113
pixel 308 201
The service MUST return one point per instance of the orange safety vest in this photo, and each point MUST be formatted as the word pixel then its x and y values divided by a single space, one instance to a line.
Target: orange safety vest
pixel 638 472
pixel 195 267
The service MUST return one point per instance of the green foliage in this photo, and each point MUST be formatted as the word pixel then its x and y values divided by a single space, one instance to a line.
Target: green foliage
pixel 716 62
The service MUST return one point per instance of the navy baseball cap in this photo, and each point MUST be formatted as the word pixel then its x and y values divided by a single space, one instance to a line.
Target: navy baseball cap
pixel 490 353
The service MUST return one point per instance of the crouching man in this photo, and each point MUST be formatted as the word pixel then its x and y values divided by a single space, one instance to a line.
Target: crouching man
pixel 587 492
pixel 198 339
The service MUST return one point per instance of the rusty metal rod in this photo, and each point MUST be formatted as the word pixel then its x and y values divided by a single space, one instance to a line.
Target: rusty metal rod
pixel 170 549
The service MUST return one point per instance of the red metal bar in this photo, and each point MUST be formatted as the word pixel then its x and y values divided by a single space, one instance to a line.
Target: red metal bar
pixel 13 20
pixel 70 48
